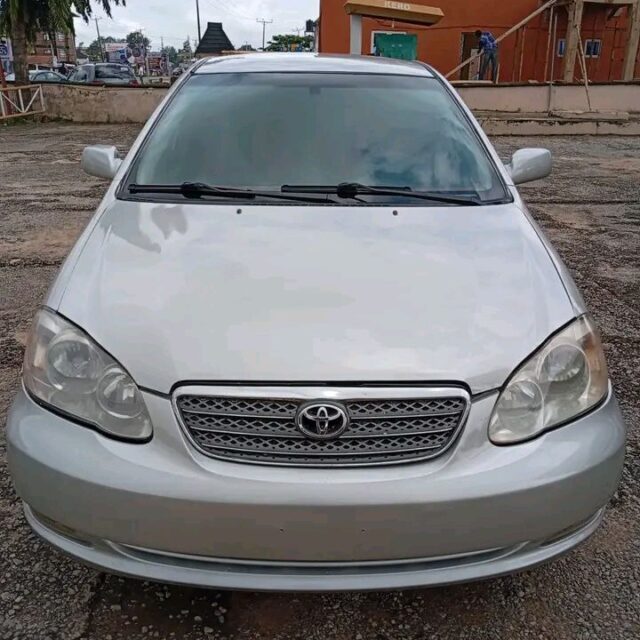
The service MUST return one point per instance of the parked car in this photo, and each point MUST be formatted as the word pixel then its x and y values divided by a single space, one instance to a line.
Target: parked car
pixel 40 77
pixel 44 77
pixel 104 73
pixel 312 339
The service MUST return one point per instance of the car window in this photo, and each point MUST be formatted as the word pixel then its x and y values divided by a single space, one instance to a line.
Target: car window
pixel 113 72
pixel 317 129
pixel 79 75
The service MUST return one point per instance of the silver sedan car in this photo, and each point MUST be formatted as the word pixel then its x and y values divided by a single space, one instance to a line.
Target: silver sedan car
pixel 312 339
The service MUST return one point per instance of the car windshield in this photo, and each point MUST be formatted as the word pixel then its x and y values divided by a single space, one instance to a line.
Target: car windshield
pixel 266 130
pixel 113 71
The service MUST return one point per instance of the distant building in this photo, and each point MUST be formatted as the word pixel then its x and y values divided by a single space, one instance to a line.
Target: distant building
pixel 48 50
pixel 53 49
pixel 214 42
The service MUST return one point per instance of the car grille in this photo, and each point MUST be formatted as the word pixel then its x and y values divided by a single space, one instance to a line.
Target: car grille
pixel 263 430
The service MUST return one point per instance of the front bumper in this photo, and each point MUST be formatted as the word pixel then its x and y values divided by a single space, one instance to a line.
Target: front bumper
pixel 163 511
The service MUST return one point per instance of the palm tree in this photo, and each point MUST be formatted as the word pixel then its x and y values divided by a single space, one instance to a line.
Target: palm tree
pixel 22 19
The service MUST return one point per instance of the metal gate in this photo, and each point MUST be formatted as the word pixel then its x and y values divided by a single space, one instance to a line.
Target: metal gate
pixel 21 101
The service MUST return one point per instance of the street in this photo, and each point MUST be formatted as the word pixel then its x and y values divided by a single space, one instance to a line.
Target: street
pixel 590 208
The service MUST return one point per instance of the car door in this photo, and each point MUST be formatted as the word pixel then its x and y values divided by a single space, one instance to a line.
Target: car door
pixel 81 75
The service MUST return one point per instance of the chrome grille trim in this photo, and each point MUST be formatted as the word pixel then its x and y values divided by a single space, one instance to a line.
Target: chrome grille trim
pixel 389 425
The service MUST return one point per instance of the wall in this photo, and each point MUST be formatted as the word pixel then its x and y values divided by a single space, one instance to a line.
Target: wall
pixel 534 99
pixel 101 104
pixel 441 44
pixel 135 105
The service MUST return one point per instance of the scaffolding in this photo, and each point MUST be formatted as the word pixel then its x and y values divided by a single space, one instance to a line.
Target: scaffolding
pixel 574 50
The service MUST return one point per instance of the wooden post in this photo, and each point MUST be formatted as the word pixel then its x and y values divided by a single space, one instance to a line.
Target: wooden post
pixel 546 58
pixel 574 24
pixel 633 40
pixel 524 37
pixel 585 77
pixel 553 60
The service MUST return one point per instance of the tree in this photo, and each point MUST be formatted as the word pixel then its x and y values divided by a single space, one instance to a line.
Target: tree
pixel 171 53
pixel 138 42
pixel 186 53
pixel 22 19
pixel 95 51
pixel 289 42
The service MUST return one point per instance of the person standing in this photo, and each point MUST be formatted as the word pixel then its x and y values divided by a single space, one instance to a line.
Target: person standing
pixel 489 48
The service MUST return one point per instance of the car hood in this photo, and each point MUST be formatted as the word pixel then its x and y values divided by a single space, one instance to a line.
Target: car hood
pixel 201 292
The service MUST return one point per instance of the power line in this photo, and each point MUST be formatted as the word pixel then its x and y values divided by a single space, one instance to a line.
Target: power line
pixel 226 9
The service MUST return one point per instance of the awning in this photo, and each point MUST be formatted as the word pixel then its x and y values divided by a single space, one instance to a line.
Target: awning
pixel 393 10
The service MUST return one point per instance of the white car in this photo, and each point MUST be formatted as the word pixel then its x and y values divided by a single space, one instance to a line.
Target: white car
pixel 313 340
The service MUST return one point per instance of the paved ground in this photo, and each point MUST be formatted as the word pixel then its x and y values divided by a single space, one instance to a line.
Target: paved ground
pixel 591 210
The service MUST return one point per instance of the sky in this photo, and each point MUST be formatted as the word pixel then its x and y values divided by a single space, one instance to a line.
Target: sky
pixel 174 20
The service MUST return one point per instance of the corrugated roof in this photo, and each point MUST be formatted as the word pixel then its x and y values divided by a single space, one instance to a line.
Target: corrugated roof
pixel 214 40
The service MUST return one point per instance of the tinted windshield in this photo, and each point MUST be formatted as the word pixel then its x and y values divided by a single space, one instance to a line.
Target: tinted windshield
pixel 265 130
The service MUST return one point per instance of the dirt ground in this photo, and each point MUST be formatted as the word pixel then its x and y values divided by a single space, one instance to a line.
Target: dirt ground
pixel 591 210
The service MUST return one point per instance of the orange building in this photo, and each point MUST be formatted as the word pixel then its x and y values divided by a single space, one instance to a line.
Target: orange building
pixel 607 27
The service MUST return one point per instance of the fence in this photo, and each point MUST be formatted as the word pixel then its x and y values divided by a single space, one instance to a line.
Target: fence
pixel 21 101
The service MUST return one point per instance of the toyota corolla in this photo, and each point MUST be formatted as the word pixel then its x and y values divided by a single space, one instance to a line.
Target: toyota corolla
pixel 312 339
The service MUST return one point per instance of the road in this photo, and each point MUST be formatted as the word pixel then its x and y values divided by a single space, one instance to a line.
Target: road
pixel 591 210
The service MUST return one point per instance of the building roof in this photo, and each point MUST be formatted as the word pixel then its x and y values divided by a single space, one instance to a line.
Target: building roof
pixel 311 62
pixel 214 40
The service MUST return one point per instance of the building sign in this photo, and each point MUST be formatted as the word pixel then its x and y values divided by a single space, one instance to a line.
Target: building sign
pixel 394 10
pixel 118 52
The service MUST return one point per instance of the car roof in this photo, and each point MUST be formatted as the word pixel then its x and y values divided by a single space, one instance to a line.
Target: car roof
pixel 311 63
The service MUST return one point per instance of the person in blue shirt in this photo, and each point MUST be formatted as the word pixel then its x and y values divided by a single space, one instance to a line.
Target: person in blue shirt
pixel 489 47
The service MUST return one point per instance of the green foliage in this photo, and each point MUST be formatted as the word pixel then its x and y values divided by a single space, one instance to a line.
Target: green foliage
pixel 186 53
pixel 136 39
pixel 94 50
pixel 289 42
pixel 22 19
pixel 49 16
pixel 172 54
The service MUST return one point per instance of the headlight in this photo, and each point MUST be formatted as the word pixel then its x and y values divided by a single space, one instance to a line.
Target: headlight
pixel 562 380
pixel 66 369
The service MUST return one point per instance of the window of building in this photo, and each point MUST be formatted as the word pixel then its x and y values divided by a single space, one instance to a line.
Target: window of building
pixel 60 37
pixel 592 48
pixel 562 45
pixel 373 38
pixel 45 36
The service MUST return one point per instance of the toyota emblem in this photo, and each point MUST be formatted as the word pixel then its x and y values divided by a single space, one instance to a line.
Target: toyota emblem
pixel 322 420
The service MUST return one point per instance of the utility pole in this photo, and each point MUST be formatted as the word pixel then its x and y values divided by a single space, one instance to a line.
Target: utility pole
pixel 198 15
pixel 298 30
pixel 99 40
pixel 264 28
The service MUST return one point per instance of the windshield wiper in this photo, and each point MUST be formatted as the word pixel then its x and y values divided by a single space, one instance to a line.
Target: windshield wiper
pixel 353 189
pixel 198 189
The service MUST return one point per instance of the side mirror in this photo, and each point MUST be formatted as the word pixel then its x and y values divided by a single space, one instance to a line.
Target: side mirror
pixel 530 164
pixel 100 160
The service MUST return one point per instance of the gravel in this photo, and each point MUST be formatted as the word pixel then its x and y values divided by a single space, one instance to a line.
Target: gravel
pixel 591 210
